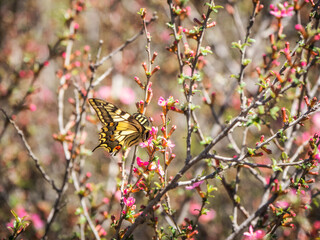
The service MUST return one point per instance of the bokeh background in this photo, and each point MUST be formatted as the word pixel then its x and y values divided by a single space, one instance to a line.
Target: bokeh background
pixel 30 31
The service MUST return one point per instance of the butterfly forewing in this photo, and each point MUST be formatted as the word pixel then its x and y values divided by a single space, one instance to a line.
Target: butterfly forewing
pixel 120 128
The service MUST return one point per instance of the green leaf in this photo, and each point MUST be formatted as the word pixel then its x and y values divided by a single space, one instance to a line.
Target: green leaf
pixel 207 140
pixel 275 167
pixel 246 61
pixel 170 25
pixel 274 112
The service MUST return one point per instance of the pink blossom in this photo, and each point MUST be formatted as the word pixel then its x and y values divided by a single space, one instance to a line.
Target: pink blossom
pixel 194 208
pixel 281 10
pixel 67 76
pixel 37 221
pixel 77 52
pixel 299 27
pixel 77 63
pixel 162 102
pixel 154 131
pixel 194 185
pixel 88 174
pixel 147 143
pixel 100 230
pixel 22 74
pixel 117 195
pixel 32 107
pixel 157 167
pixel 89 186
pixel 316 121
pixel 129 201
pixel 127 96
pixel 208 216
pixel 76 25
pixel 86 48
pixel 316 224
pixel 282 204
pixel 141 163
pixel 303 63
pixel 106 200
pixel 251 235
pixel 104 92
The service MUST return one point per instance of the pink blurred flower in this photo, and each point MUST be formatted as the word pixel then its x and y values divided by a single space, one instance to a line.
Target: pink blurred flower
pixel 316 121
pixel 104 92
pixel 76 25
pixel 282 204
pixel 37 221
pixel 210 215
pixel 196 184
pixel 86 48
pixel 316 224
pixel 77 63
pixel 117 195
pixel 89 186
pixel 251 235
pixel 194 208
pixel 281 10
pixel 127 96
pixel 32 107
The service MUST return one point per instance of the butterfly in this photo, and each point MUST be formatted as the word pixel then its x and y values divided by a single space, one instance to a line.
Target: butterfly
pixel 120 128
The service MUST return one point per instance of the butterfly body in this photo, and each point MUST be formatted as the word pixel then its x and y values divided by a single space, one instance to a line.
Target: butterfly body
pixel 119 127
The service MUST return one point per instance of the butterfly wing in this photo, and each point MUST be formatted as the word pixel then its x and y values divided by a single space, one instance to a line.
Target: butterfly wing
pixel 120 128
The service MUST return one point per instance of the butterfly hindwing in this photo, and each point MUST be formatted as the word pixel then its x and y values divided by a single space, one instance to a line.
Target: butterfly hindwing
pixel 120 128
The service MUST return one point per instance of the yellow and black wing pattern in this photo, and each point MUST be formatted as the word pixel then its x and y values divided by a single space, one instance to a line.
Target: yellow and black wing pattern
pixel 119 127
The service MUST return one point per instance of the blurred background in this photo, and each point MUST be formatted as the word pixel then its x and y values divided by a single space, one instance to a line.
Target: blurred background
pixel 30 38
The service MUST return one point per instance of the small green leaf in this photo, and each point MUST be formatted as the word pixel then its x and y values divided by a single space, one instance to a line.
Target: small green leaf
pixel 245 62
pixel 274 112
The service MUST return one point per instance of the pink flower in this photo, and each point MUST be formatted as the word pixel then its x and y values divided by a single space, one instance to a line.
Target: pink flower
pixel 77 63
pixel 86 48
pixel 316 224
pixel 299 27
pixel 32 107
pixel 157 167
pixel 147 143
pixel 37 221
pixel 127 96
pixel 76 25
pixel 129 201
pixel 117 195
pixel 282 10
pixel 282 204
pixel 141 163
pixel 210 215
pixel 194 208
pixel 193 186
pixel 162 102
pixel 251 235
pixel 89 186
pixel 316 121
pixel 154 131
pixel 104 92
pixel 88 174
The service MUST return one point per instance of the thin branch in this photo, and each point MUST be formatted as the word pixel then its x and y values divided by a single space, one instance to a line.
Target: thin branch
pixel 31 154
